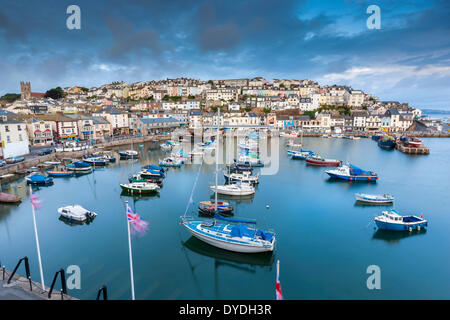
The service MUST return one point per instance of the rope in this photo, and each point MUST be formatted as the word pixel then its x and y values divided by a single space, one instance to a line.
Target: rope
pixel 193 188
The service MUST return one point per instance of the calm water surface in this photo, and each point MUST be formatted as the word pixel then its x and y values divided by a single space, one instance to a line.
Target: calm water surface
pixel 325 242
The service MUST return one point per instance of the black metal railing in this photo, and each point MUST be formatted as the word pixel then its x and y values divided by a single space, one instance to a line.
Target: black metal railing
pixel 103 291
pixel 63 283
pixel 27 271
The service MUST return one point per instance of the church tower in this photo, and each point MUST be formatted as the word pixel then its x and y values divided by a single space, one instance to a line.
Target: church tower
pixel 25 90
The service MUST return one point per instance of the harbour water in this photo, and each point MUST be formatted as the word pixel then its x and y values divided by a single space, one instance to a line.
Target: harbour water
pixel 325 241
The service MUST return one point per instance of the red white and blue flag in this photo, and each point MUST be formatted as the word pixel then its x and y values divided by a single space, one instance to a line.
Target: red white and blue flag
pixel 278 284
pixel 137 225
pixel 35 201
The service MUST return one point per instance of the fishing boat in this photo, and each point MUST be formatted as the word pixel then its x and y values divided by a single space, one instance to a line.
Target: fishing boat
pixel 170 162
pixel 233 237
pixel 393 221
pixel 317 160
pixel 77 213
pixel 79 166
pixel 355 137
pixel 209 208
pixel 9 198
pixel 244 177
pixel 413 142
pixel 128 154
pixel 247 161
pixel 38 179
pixel 374 199
pixel 386 142
pixel 140 187
pixel 352 173
pixel 237 189
pixel 96 162
pixel 32 169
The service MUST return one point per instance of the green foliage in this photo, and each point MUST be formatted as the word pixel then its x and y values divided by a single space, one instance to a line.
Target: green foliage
pixel 84 89
pixel 311 114
pixel 364 107
pixel 267 110
pixel 248 109
pixel 55 93
pixel 10 97
pixel 191 97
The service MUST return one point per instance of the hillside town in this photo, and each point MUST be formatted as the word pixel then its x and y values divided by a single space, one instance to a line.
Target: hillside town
pixel 93 115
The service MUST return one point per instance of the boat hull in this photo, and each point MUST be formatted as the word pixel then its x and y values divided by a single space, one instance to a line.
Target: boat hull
pixel 226 245
pixel 400 227
pixel 323 163
pixel 233 192
pixel 374 201
pixel 353 178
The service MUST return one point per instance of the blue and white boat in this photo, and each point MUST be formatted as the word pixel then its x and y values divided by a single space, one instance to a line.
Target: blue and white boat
pixel 392 220
pixel 96 161
pixel 79 166
pixel 352 173
pixel 38 179
pixel 170 162
pixel 153 167
pixel 128 154
pixel 302 154
pixel 151 173
pixel 233 237
pixel 374 199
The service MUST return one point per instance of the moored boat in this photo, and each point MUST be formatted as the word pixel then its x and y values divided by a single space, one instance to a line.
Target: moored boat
pixel 140 187
pixel 302 154
pixel 77 213
pixel 38 179
pixel 233 237
pixel 9 198
pixel 352 173
pixel 97 161
pixel 244 177
pixel 128 154
pixel 413 142
pixel 317 160
pixel 374 199
pixel 386 142
pixel 393 221
pixel 170 162
pixel 238 189
pixel 79 166
pixel 59 173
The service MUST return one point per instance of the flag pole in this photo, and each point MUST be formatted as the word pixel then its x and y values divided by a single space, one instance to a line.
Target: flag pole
pixel 131 256
pixel 37 243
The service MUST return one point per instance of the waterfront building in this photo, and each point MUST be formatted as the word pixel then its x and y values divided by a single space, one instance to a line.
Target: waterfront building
pixel 13 136
pixel 40 132
pixel 359 120
pixel 102 128
pixel 150 126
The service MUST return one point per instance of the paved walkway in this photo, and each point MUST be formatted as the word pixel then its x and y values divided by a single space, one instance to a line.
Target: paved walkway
pixel 16 293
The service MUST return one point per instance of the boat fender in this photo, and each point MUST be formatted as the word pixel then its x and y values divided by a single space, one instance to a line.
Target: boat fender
pixel 418 228
pixel 267 206
pixel 410 229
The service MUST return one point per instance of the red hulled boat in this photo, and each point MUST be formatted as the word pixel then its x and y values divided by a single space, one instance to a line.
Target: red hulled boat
pixel 319 161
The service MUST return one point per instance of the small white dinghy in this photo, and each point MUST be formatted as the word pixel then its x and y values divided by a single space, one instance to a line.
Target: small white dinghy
pixel 374 199
pixel 77 213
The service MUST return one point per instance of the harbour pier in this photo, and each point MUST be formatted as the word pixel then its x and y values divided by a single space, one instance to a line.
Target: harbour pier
pixel 412 150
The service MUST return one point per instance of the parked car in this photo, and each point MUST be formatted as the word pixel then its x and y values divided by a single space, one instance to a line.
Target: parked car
pixel 44 151
pixel 14 159
pixel 2 163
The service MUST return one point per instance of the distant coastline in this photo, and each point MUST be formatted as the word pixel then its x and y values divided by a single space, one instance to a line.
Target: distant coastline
pixel 435 111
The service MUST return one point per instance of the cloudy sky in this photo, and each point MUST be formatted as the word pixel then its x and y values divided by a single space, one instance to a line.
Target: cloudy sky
pixel 408 59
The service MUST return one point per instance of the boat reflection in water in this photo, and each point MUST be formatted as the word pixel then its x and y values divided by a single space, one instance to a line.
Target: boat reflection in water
pixel 393 237
pixel 75 223
pixel 223 259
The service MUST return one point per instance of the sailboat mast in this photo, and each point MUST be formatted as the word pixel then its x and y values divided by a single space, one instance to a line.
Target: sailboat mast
pixel 217 159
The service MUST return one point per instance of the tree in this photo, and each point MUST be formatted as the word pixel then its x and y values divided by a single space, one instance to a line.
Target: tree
pixel 267 110
pixel 10 97
pixel 311 114
pixel 55 93
pixel 248 109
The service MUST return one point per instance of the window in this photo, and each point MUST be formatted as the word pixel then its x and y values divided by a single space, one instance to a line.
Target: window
pixel 8 139
pixel 20 137
pixel 6 128
pixel 19 128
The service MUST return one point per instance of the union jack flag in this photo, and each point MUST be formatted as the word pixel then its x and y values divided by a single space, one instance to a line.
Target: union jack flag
pixel 137 225
pixel 35 201
pixel 278 284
